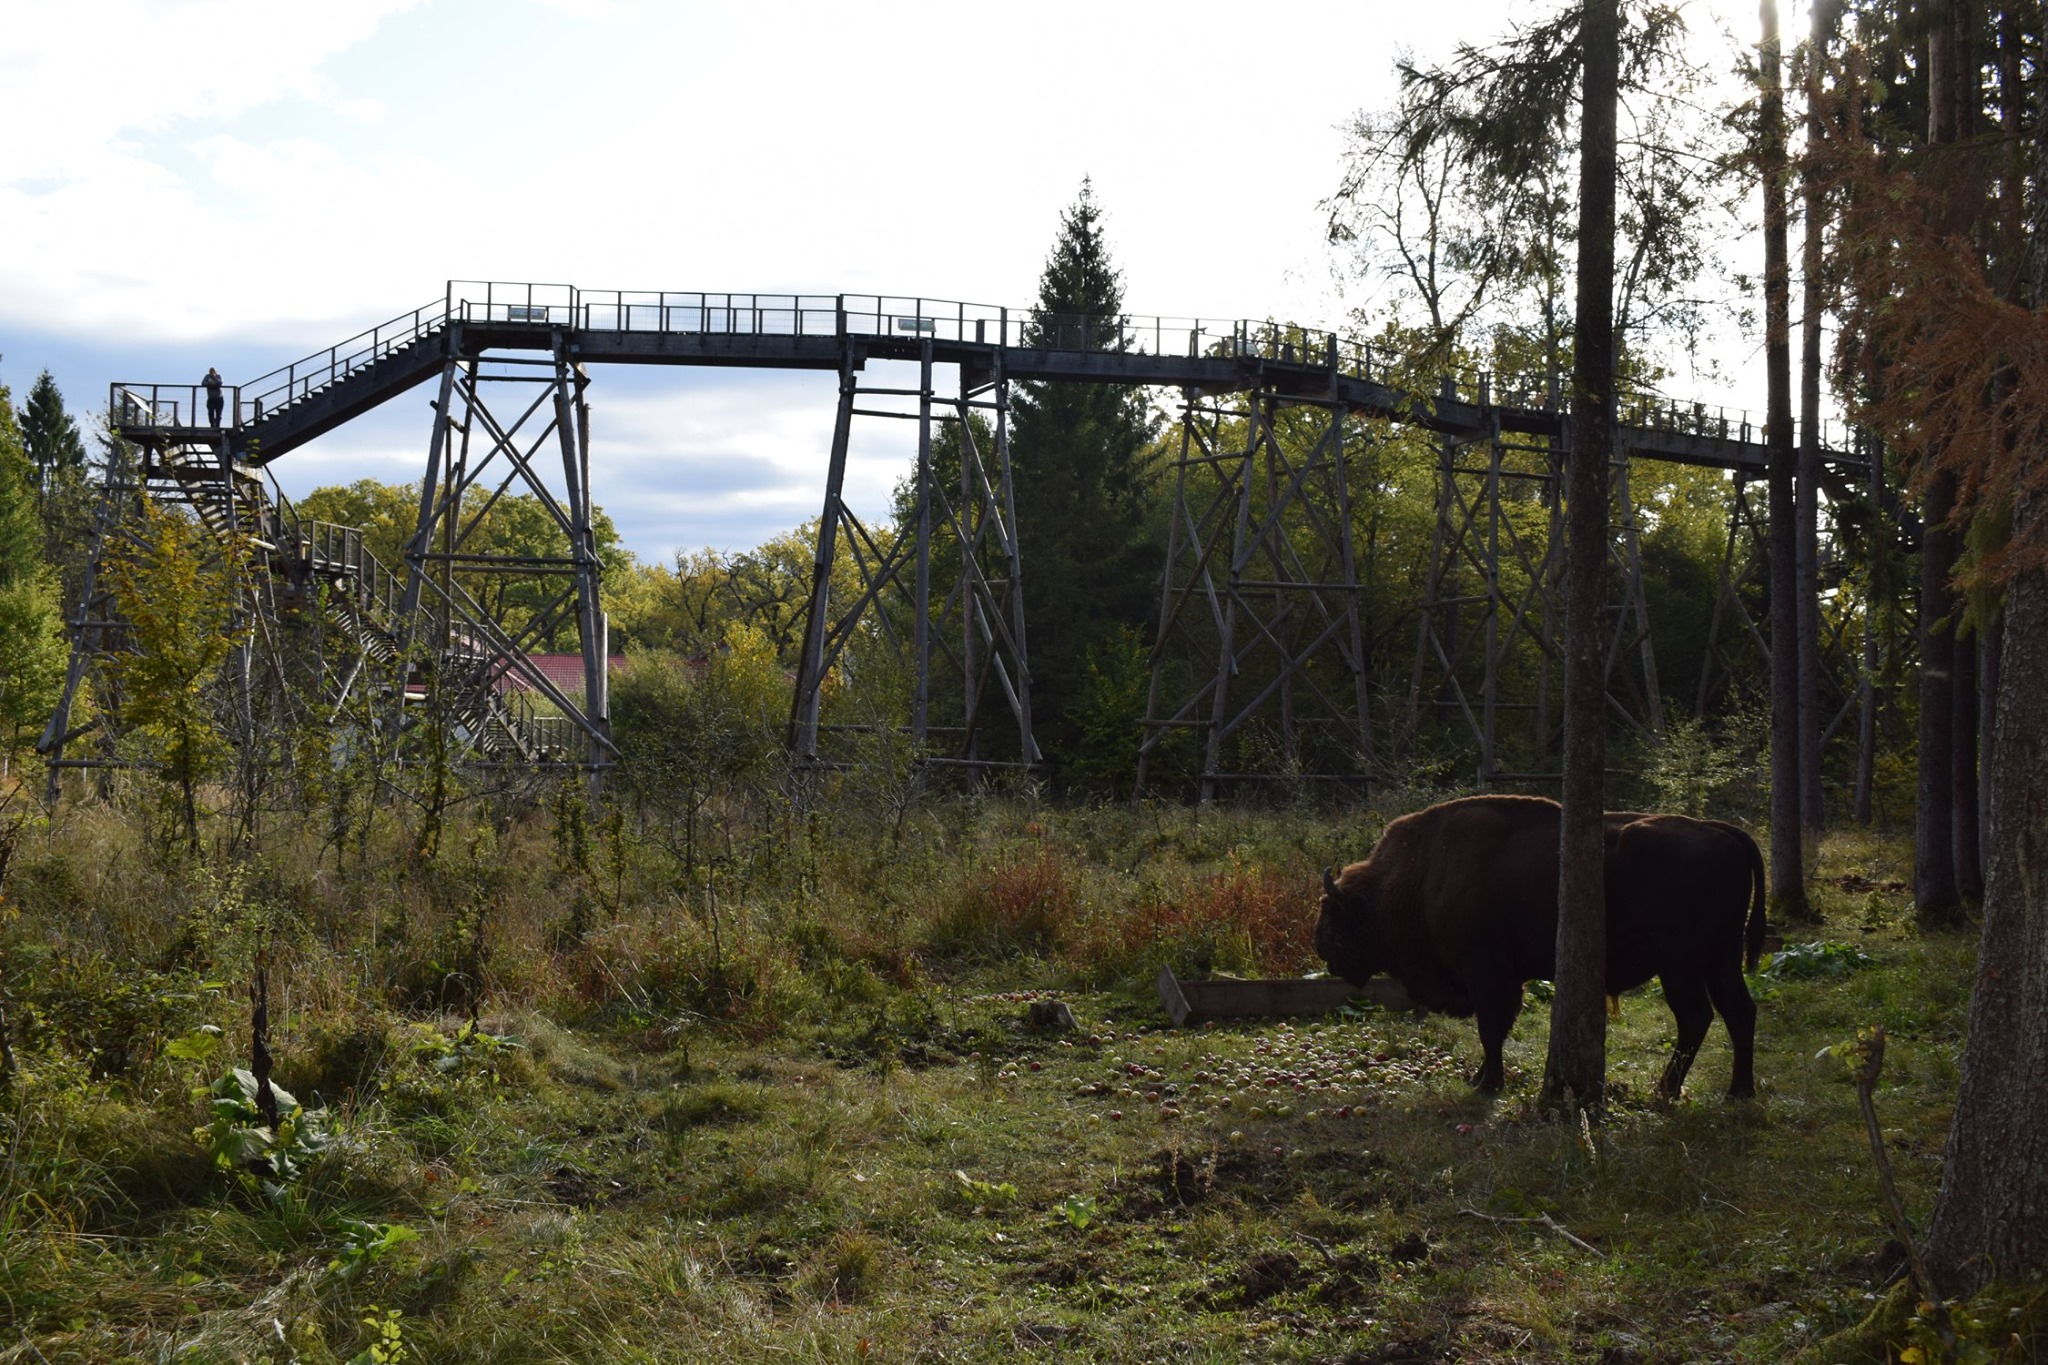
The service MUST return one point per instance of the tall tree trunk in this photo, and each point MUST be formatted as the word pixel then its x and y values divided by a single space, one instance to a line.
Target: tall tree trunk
pixel 1788 870
pixel 1936 898
pixel 1812 808
pixel 1937 895
pixel 1963 786
pixel 1990 661
pixel 1991 1216
pixel 1866 688
pixel 1954 83
pixel 1575 1071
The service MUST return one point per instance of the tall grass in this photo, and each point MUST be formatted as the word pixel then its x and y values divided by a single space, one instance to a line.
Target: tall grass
pixel 767 1094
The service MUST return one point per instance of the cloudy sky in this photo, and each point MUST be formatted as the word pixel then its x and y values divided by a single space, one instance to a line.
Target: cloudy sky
pixel 238 183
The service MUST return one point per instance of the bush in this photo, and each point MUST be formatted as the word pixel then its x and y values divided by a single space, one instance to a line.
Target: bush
pixel 1245 919
pixel 338 1058
pixel 1024 906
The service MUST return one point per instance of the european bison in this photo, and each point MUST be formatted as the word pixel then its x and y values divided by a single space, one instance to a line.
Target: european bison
pixel 1459 904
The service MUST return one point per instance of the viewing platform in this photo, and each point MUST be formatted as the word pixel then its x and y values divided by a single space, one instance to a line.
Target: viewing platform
pixel 277 412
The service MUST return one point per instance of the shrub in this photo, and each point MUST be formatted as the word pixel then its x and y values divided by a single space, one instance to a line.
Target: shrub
pixel 338 1058
pixel 1821 960
pixel 1242 919
pixel 1026 905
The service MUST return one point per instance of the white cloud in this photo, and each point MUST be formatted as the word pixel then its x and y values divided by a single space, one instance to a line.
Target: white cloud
pixel 594 9
pixel 279 177
pixel 363 110
pixel 82 72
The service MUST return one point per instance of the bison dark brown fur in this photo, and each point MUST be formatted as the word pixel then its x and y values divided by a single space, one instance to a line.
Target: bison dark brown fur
pixel 1459 904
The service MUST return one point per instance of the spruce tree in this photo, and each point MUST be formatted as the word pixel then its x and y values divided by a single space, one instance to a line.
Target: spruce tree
pixel 58 476
pixel 1077 454
pixel 50 435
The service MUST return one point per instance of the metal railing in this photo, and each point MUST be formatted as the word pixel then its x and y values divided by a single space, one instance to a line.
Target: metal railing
pixel 905 317
pixel 288 384
pixel 171 405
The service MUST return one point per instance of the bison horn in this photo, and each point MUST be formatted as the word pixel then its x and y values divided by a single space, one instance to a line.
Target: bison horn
pixel 1329 883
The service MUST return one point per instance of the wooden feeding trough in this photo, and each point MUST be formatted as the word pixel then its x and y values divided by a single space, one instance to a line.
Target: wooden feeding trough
pixel 1195 1002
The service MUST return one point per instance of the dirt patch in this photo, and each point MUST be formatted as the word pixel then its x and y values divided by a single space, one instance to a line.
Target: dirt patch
pixel 1044 1334
pixel 1348 1281
pixel 1267 1274
pixel 1182 1178
pixel 1185 1179
pixel 1066 1269
pixel 1398 1353
pixel 572 1185
pixel 1413 1249
pixel 1853 883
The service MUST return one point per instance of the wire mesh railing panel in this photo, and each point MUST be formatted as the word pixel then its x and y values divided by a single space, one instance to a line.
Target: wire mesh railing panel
pixel 516 305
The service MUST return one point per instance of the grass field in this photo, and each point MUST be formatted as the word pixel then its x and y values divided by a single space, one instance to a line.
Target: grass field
pixel 564 1105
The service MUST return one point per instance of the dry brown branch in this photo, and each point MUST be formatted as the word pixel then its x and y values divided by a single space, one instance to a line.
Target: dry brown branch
pixel 1542 1220
pixel 1870 1046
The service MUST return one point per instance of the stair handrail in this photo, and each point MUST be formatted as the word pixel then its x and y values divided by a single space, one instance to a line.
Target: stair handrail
pixel 301 377
pixel 1268 341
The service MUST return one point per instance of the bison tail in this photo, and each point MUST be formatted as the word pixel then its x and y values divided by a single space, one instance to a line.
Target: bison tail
pixel 1753 948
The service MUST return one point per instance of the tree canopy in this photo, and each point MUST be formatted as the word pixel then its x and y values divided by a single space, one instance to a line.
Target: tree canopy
pixel 1081 480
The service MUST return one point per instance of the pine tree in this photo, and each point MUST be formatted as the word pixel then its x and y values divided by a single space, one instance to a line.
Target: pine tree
pixel 1077 451
pixel 1575 1071
pixel 50 436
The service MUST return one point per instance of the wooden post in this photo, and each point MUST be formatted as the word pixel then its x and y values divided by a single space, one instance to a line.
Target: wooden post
pixel 810 677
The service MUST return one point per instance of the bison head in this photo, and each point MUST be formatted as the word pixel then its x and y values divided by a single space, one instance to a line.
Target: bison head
pixel 1344 937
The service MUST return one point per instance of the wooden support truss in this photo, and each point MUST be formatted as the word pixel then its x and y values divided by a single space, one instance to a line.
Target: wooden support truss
pixel 962 653
pixel 1260 655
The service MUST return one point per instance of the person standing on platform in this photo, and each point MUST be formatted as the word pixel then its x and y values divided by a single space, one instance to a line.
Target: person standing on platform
pixel 212 385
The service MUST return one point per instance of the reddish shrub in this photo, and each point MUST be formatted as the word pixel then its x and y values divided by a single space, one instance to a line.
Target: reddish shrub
pixel 1029 905
pixel 1242 919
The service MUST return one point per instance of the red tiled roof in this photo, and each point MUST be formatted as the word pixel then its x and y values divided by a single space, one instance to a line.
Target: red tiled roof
pixel 565 671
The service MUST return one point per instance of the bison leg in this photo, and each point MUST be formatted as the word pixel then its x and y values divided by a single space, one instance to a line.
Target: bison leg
pixel 1738 1012
pixel 1686 994
pixel 1496 1010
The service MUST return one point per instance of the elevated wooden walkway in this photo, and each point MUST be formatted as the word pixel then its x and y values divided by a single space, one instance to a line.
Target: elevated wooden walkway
pixel 275 413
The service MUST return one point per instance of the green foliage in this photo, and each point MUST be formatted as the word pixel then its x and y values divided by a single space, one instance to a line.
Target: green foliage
pixel 21 538
pixel 62 484
pixel 197 1046
pixel 981 1196
pixel 49 435
pixel 240 1141
pixel 364 1244
pixel 517 524
pixel 467 1048
pixel 696 736
pixel 1822 960
pixel 387 1338
pixel 1481 153
pixel 31 619
pixel 689 608
pixel 113 1018
pixel 1700 769
pixel 1108 713
pixel 32 655
pixel 183 599
pixel 387 514
pixel 1081 481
